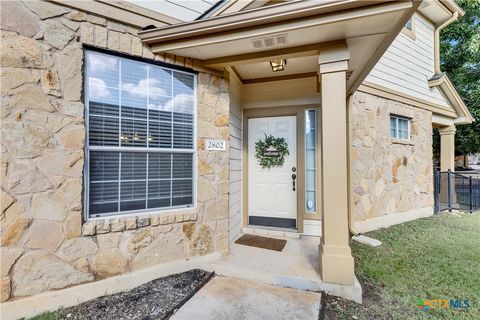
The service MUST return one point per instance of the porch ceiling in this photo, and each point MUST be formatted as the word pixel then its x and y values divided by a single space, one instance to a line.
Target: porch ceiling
pixel 249 39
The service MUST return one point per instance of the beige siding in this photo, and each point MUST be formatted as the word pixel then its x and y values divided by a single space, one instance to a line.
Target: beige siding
pixel 186 10
pixel 408 64
pixel 235 145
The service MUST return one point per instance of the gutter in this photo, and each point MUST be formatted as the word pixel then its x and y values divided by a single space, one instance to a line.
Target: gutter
pixel 437 41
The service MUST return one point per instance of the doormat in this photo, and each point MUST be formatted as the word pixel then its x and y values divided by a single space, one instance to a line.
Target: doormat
pixel 262 242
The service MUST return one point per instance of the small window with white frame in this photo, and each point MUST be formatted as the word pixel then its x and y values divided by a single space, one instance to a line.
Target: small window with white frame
pixel 409 28
pixel 140 146
pixel 399 127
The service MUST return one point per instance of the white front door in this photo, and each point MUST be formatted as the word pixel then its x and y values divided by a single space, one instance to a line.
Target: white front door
pixel 272 197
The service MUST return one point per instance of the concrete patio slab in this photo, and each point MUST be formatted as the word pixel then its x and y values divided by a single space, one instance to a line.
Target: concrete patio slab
pixel 228 298
pixel 297 266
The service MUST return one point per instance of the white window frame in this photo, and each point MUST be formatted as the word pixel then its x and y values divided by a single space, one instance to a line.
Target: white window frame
pixel 397 117
pixel 88 148
pixel 408 32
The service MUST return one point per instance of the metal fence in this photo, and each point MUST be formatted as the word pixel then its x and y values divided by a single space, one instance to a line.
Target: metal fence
pixel 456 191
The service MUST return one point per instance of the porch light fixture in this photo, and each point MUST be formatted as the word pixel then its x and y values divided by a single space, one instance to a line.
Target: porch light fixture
pixel 278 65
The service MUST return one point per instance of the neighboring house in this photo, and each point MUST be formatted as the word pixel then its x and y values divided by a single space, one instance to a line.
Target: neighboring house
pixel 124 148
pixel 474 161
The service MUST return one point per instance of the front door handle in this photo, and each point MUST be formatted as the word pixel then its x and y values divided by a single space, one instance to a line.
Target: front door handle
pixel 294 176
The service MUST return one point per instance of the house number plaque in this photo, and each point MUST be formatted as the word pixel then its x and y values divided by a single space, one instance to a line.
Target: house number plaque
pixel 215 145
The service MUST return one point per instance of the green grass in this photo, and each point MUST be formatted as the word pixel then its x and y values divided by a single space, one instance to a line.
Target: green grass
pixel 434 258
pixel 49 316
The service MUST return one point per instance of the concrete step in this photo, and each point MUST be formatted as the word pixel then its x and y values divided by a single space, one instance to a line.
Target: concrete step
pixel 271 232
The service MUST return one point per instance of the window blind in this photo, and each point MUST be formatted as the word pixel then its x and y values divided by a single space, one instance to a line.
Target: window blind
pixel 140 136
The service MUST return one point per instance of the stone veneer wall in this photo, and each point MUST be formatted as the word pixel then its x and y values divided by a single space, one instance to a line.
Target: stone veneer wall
pixel 388 176
pixel 43 245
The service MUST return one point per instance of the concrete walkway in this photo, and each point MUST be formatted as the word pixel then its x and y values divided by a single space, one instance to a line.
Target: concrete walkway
pixel 228 298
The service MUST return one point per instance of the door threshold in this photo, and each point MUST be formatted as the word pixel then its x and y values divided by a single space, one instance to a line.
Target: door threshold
pixel 276 232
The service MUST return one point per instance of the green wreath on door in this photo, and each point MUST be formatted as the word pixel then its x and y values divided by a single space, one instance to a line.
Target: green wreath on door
pixel 271 151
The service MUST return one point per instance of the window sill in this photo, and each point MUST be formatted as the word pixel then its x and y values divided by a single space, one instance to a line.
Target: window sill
pixel 403 142
pixel 131 222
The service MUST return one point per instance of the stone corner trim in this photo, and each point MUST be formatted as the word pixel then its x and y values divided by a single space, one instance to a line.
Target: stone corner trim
pixel 101 226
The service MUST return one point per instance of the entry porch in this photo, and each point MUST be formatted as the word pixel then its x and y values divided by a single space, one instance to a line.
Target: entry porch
pixel 283 61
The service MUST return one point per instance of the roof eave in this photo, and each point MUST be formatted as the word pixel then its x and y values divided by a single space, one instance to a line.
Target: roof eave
pixel 250 18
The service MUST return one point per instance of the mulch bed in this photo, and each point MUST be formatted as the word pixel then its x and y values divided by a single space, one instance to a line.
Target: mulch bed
pixel 157 299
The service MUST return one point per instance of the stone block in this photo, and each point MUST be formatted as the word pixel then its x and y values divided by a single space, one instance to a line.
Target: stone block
pixel 14 231
pixel 126 42
pixel 137 46
pixel 89 228
pixel 116 27
pixel 201 242
pixel 76 15
pixel 5 289
pixel 143 222
pixel 166 247
pixel 367 240
pixel 38 271
pixel 109 262
pixel 103 226
pixel 72 25
pixel 15 17
pixel 73 137
pixel 45 10
pixel 8 256
pixel 57 34
pixel 100 36
pixel 140 239
pixel 13 78
pixel 73 225
pixel 155 220
pixel 6 200
pixel 23 52
pixel 44 234
pixel 74 249
pixel 71 72
pixel 87 33
pixel 50 82
pixel 130 223
pixel 32 97
pixel 117 224
pixel 113 40
pixel 96 20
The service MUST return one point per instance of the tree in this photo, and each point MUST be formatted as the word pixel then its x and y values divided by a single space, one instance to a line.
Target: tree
pixel 460 58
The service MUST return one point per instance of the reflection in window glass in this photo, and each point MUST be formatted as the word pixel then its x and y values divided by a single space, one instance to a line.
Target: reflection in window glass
pixel 310 161
pixel 139 117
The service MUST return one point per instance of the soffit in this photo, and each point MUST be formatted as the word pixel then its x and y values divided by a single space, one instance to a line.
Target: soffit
pixel 367 30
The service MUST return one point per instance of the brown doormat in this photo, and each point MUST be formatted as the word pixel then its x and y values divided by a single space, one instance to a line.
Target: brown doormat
pixel 262 242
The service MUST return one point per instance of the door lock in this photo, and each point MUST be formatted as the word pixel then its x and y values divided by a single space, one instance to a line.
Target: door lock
pixel 294 176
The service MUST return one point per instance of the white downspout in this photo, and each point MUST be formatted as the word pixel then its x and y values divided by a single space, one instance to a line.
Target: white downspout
pixel 452 19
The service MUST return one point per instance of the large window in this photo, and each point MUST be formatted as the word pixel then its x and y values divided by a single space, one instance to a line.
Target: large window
pixel 140 142
pixel 399 128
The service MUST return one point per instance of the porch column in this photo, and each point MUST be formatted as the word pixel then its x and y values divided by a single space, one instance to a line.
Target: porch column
pixel 447 148
pixel 336 261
